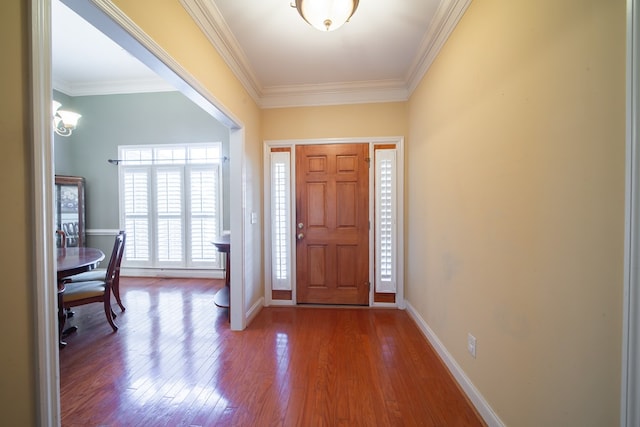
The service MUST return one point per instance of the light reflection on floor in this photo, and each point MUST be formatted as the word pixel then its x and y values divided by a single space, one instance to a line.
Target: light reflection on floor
pixel 174 361
pixel 283 354
pixel 159 353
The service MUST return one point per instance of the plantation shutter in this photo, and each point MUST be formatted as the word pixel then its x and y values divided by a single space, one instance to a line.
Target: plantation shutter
pixel 170 205
pixel 385 221
pixel 204 191
pixel 169 195
pixel 136 184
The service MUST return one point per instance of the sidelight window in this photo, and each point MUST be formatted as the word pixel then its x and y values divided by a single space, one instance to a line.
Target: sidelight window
pixel 280 218
pixel 385 220
pixel 384 213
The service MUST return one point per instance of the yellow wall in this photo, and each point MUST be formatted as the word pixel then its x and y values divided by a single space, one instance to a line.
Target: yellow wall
pixel 341 121
pixel 17 358
pixel 516 206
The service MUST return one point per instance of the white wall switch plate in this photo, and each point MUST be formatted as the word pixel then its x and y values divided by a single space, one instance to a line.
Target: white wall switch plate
pixel 471 345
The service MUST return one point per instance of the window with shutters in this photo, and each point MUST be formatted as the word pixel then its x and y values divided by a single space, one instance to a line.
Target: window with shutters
pixel 170 205
pixel 280 220
pixel 385 220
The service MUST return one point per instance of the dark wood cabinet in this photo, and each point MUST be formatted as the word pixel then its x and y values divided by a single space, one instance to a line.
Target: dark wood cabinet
pixel 69 210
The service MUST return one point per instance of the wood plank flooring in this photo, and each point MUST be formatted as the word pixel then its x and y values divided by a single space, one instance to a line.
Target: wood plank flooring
pixel 174 362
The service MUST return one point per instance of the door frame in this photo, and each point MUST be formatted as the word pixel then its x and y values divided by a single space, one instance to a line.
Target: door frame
pixel 109 19
pixel 371 141
pixel 630 381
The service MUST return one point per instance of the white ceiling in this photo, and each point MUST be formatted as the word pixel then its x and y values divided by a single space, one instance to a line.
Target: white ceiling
pixel 86 62
pixel 380 55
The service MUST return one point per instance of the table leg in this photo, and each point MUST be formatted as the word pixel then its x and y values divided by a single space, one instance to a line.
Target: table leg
pixel 62 317
pixel 222 297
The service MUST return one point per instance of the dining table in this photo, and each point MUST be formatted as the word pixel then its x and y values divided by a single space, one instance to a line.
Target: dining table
pixel 72 261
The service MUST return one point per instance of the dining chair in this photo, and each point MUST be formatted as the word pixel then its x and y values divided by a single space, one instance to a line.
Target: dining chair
pixel 100 274
pixel 72 236
pixel 87 292
pixel 61 239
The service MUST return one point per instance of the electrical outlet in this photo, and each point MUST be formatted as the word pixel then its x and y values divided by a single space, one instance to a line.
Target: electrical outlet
pixel 471 345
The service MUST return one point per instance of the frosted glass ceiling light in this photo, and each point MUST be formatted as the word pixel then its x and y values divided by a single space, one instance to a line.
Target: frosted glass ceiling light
pixel 64 122
pixel 326 15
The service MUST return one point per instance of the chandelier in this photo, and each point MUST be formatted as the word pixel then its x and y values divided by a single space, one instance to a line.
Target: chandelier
pixel 326 15
pixel 64 122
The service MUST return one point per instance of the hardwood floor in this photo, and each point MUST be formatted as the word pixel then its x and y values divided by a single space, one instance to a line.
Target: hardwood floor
pixel 174 362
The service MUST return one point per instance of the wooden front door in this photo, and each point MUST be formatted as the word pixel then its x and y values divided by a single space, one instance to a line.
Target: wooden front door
pixel 332 224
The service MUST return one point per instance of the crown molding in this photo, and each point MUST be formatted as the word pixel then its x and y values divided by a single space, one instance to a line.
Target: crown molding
pixel 210 20
pixel 114 87
pixel 109 19
pixel 444 22
pixel 212 23
pixel 334 94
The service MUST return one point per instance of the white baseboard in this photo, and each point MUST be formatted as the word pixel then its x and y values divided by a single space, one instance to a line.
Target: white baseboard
pixel 280 303
pixel 385 305
pixel 481 405
pixel 254 310
pixel 102 231
pixel 168 272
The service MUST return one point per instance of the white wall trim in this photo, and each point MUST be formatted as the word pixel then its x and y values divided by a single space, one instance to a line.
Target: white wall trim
pixel 334 94
pixel 102 231
pixel 630 381
pixel 444 22
pixel 47 377
pixel 238 224
pixel 280 303
pixel 113 87
pixel 254 310
pixel 400 301
pixel 386 305
pixel 174 273
pixel 349 140
pixel 210 20
pixel 485 411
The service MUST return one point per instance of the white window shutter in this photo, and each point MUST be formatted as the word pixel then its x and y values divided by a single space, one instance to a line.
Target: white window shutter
pixel 280 220
pixel 385 229
pixel 135 202
pixel 171 198
pixel 205 206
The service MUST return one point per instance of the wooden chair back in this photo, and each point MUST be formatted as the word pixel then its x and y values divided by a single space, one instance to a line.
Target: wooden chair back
pixel 115 287
pixel 115 259
pixel 81 293
pixel 62 239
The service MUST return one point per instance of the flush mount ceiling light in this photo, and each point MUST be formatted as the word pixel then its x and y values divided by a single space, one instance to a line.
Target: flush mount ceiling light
pixel 64 122
pixel 326 15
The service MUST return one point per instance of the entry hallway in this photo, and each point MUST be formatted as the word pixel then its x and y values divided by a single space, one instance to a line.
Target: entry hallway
pixel 174 362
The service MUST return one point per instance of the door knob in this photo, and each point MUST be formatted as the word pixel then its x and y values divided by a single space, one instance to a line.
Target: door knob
pixel 300 236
